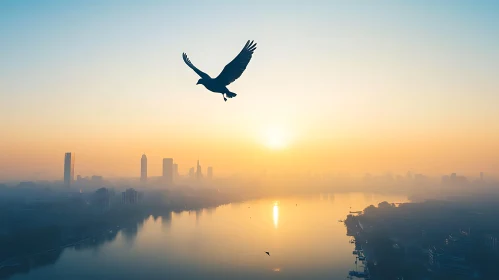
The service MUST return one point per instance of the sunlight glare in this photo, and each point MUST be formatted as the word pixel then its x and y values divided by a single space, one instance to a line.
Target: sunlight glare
pixel 276 138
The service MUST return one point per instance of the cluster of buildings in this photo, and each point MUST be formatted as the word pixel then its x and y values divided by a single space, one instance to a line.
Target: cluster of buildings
pixel 430 240
pixel 458 255
pixel 102 197
pixel 454 179
pixel 447 180
pixel 169 175
pixel 131 196
pixel 170 171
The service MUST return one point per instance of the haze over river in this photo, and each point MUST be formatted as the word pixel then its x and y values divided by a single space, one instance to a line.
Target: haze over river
pixel 303 235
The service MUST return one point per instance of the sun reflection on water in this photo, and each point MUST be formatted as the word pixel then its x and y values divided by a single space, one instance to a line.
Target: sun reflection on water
pixel 276 214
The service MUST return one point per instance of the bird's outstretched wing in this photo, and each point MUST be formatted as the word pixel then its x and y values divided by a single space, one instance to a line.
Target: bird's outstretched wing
pixel 199 72
pixel 236 67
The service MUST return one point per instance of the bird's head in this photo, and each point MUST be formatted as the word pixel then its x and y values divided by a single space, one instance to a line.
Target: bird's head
pixel 200 81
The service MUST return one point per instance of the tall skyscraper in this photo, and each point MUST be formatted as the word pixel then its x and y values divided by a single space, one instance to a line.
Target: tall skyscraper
pixel 143 169
pixel 69 168
pixel 191 173
pixel 199 174
pixel 210 172
pixel 168 170
pixel 481 176
pixel 175 172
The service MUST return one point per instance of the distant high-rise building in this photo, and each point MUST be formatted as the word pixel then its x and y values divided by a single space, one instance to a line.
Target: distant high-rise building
pixel 191 172
pixel 199 173
pixel 481 176
pixel 168 170
pixel 175 171
pixel 69 166
pixel 143 169
pixel 131 196
pixel 454 179
pixel 210 172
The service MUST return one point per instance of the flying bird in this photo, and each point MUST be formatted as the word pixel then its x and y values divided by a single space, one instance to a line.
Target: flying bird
pixel 267 253
pixel 229 74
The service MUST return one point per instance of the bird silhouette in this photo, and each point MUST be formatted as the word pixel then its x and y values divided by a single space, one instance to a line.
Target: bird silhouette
pixel 267 253
pixel 229 74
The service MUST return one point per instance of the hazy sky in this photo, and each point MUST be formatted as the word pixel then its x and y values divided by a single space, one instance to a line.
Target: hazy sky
pixel 344 86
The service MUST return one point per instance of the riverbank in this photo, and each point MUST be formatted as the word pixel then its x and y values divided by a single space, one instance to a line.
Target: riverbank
pixel 446 239
pixel 382 257
pixel 82 225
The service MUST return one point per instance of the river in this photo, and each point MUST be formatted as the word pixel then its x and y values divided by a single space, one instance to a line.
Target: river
pixel 302 234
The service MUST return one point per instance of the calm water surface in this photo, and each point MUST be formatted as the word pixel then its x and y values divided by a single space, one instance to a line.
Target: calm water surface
pixel 302 234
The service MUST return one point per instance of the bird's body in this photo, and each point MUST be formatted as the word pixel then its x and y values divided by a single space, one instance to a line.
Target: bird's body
pixel 213 85
pixel 268 253
pixel 229 74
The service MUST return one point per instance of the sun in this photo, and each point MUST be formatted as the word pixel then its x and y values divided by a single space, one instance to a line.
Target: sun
pixel 276 138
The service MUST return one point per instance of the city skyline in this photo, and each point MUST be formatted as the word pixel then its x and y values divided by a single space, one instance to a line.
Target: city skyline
pixel 169 170
pixel 170 178
pixel 170 173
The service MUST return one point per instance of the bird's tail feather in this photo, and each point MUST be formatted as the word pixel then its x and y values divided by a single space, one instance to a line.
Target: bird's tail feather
pixel 230 94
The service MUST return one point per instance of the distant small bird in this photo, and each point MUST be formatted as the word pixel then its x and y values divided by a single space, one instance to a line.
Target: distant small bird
pixel 229 74
pixel 267 253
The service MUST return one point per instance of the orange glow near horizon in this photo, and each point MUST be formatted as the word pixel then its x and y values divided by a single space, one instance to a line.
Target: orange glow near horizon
pixel 121 156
